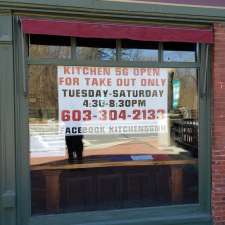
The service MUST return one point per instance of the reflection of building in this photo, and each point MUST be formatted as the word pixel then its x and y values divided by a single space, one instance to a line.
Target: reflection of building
pixel 183 180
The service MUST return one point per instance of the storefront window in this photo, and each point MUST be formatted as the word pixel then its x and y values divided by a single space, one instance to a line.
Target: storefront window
pixel 95 49
pixel 44 46
pixel 179 52
pixel 112 137
pixel 139 51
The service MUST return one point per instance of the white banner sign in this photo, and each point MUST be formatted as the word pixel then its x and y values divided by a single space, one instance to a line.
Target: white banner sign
pixel 112 100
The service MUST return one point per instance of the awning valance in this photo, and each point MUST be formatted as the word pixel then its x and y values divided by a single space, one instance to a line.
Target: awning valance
pixel 116 30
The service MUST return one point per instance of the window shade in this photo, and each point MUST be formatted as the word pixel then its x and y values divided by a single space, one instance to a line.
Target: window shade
pixel 116 30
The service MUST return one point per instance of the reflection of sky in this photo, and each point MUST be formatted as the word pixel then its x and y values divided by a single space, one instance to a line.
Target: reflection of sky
pixel 96 53
pixel 88 53
pixel 139 54
pixel 107 53
pixel 179 56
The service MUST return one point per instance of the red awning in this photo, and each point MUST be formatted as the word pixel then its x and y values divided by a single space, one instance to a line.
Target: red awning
pixel 116 31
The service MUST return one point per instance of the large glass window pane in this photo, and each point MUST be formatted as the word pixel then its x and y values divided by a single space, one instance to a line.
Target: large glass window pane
pixel 139 50
pixel 46 46
pixel 108 137
pixel 179 52
pixel 95 49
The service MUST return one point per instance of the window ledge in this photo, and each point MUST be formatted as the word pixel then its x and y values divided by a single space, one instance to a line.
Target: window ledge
pixel 166 215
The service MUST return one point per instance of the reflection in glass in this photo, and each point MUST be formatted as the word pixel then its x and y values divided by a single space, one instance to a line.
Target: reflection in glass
pixel 95 49
pixel 50 52
pixel 179 52
pixel 44 46
pixel 117 170
pixel 139 51
pixel 184 116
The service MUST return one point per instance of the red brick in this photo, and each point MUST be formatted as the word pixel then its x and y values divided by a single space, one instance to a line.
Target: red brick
pixel 218 129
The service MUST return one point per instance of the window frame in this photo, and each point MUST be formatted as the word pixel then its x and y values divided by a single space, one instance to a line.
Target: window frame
pixel 175 214
pixel 118 60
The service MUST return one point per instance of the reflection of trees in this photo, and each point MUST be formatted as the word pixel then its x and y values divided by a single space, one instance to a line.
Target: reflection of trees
pixel 139 54
pixel 43 91
pixel 188 89
pixel 43 100
pixel 48 51
pixel 87 53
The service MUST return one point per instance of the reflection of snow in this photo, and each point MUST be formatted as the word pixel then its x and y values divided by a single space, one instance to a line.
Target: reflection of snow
pixel 104 145
pixel 46 140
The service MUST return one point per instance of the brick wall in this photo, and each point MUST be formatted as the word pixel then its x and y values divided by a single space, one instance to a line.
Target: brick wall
pixel 218 148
